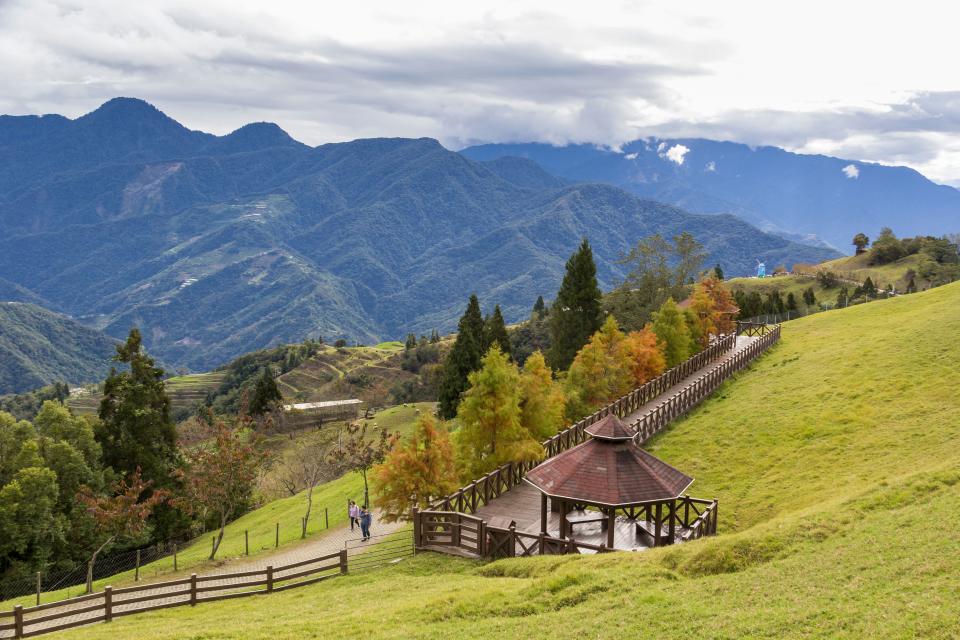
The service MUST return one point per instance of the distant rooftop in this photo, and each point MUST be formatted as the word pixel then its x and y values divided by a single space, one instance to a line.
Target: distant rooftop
pixel 305 406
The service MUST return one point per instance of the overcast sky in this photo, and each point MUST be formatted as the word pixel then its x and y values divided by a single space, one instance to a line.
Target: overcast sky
pixel 864 80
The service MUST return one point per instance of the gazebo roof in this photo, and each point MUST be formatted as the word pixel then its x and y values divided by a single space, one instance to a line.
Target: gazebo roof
pixel 610 427
pixel 608 472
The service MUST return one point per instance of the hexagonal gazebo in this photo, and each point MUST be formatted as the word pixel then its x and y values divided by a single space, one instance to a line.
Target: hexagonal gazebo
pixel 611 473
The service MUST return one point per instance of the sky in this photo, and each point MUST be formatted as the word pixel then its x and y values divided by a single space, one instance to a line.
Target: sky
pixel 869 81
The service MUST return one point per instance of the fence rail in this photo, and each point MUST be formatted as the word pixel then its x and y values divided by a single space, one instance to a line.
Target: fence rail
pixel 481 491
pixel 112 603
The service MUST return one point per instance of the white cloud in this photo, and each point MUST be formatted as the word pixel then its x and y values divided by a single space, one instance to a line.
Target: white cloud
pixel 631 156
pixel 675 153
pixel 851 171
pixel 711 167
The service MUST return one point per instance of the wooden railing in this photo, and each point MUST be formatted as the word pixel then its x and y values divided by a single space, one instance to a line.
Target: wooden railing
pixel 449 529
pixel 112 603
pixel 481 491
pixel 754 328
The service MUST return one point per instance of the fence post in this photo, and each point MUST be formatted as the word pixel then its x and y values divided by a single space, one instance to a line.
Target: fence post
pixel 107 604
pixel 246 542
pixel 38 587
pixel 277 540
pixel 136 571
pixel 343 560
pixel 193 589
pixel 269 578
pixel 174 557
pixel 18 621
pixel 326 518
pixel 416 528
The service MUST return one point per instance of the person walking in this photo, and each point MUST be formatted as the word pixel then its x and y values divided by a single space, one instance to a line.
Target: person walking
pixel 353 512
pixel 365 519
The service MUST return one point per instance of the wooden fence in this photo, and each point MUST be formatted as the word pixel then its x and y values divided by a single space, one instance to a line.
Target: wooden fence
pixel 113 603
pixel 481 491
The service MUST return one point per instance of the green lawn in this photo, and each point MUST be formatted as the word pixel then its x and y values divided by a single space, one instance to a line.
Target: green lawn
pixel 837 465
pixel 857 268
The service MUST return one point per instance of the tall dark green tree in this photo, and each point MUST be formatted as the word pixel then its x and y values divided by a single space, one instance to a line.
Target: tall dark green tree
pixel 718 272
pixel 575 315
pixel 496 333
pixel 540 308
pixel 464 358
pixel 265 394
pixel 136 431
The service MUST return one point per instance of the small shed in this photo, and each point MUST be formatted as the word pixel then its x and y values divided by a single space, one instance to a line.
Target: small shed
pixel 328 409
pixel 610 472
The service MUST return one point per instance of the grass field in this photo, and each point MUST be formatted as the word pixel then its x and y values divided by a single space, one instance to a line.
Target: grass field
pixel 837 465
pixel 857 268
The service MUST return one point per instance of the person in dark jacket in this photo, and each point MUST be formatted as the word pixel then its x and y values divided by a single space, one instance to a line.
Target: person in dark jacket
pixel 365 519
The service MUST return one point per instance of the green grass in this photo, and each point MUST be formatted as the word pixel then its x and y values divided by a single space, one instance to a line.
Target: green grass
pixel 785 285
pixel 836 461
pixel 857 268
pixel 392 345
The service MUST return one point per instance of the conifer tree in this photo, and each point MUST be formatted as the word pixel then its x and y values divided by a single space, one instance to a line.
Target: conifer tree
pixel 540 308
pixel 416 472
pixel 575 314
pixel 718 273
pixel 491 433
pixel 464 358
pixel 646 358
pixel 542 400
pixel 672 332
pixel 809 297
pixel 601 372
pixel 791 302
pixel 265 394
pixel 496 333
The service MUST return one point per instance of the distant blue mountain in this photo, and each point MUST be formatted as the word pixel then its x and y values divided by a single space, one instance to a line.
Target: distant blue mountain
pixel 801 196
pixel 219 245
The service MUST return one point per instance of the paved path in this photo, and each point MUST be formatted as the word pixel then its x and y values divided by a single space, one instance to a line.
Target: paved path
pixel 317 546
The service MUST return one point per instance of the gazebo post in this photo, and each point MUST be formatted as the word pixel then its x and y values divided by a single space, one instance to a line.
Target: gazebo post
pixel 671 527
pixel 611 525
pixel 658 523
pixel 543 512
pixel 563 518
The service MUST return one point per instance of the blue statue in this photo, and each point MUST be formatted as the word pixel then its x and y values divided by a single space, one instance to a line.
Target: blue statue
pixel 761 270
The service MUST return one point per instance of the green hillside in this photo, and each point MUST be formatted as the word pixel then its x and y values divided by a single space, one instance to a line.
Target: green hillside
pixel 40 347
pixel 836 462
pixel 859 268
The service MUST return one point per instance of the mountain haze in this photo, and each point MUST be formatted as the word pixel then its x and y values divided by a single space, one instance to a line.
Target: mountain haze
pixel 803 197
pixel 215 246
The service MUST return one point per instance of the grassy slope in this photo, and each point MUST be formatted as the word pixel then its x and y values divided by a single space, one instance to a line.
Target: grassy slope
pixel 785 285
pixel 835 459
pixel 857 268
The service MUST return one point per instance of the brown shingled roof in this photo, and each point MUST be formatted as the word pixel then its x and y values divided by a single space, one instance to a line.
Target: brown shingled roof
pixel 608 473
pixel 610 427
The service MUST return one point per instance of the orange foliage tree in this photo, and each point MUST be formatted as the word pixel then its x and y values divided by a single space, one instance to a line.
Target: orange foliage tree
pixel 601 372
pixel 646 358
pixel 415 472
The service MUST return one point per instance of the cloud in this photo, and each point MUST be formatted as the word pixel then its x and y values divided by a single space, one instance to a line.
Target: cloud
pixel 675 153
pixel 711 167
pixel 851 171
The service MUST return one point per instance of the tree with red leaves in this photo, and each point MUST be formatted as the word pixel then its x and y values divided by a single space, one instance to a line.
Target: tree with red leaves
pixel 121 515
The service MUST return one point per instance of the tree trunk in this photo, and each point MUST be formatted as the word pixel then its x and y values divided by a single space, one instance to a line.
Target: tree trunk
pixel 216 545
pixel 93 559
pixel 366 490
pixel 306 516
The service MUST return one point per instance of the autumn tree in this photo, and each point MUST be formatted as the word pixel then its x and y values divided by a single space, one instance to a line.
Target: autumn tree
pixel 673 335
pixel 306 467
pixel 360 452
pixel 123 514
pixel 491 433
pixel 219 475
pixel 416 472
pixel 646 358
pixel 575 315
pixel 542 400
pixel 600 373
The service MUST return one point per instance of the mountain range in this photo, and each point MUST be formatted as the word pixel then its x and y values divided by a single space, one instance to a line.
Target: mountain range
pixel 38 347
pixel 811 198
pixel 218 245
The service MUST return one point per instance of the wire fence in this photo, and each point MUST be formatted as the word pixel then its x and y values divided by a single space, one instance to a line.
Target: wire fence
pixel 786 316
pixel 57 583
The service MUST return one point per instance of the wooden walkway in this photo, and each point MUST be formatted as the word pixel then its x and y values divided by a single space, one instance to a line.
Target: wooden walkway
pixel 521 504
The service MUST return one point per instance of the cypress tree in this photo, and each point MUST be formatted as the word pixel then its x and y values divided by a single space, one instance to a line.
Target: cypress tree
pixel 540 308
pixel 575 315
pixel 791 302
pixel 465 357
pixel 718 272
pixel 496 333
pixel 265 393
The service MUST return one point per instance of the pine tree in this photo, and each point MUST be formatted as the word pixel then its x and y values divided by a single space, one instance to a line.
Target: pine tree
pixel 542 399
pixel 490 430
pixel 463 359
pixel 540 308
pixel 265 394
pixel 791 302
pixel 136 431
pixel 601 372
pixel 411 342
pixel 575 314
pixel 415 473
pixel 673 334
pixel 718 273
pixel 809 298
pixel 495 333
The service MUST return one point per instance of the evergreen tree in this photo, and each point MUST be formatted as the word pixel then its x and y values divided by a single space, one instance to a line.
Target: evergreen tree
pixel 791 302
pixel 540 308
pixel 842 297
pixel 575 314
pixel 136 431
pixel 542 399
pixel 673 334
pixel 265 395
pixel 464 358
pixel 495 333
pixel 809 298
pixel 718 273
pixel 491 433
pixel 411 342
pixel 869 289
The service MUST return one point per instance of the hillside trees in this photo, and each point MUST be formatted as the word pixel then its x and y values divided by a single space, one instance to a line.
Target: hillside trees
pixel 359 452
pixel 495 332
pixel 266 395
pixel 575 314
pixel 860 241
pixel 673 334
pixel 491 432
pixel 31 529
pixel 464 357
pixel 601 372
pixel 542 399
pixel 646 358
pixel 809 297
pixel 415 472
